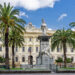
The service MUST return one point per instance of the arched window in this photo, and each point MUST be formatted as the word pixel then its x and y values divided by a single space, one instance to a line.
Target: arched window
pixel 16 59
pixel 29 49
pixel 23 59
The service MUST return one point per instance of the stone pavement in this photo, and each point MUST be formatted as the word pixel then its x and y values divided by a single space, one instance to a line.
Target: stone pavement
pixel 43 74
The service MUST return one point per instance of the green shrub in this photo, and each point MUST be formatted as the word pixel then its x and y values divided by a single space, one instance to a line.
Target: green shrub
pixel 2 60
pixel 68 60
pixel 59 60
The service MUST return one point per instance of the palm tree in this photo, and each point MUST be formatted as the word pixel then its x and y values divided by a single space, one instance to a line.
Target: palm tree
pixel 73 25
pixel 62 37
pixel 9 19
pixel 16 39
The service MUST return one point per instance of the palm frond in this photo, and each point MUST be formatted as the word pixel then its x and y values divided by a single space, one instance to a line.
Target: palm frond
pixel 72 24
pixel 14 12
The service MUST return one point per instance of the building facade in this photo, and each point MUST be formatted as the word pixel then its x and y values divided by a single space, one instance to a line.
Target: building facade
pixel 28 53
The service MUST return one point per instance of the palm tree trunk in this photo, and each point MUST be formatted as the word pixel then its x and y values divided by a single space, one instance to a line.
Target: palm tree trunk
pixel 64 49
pixel 6 50
pixel 13 64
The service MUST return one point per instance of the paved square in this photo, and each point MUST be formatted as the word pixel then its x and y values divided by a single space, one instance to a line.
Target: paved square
pixel 43 74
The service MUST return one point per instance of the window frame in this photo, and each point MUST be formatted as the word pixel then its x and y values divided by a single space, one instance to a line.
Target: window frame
pixel 30 49
pixel 23 59
pixel 16 58
pixel 37 49
pixel 23 49
pixel 0 48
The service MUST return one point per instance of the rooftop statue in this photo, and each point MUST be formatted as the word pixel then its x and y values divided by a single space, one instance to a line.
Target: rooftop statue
pixel 43 22
pixel 43 27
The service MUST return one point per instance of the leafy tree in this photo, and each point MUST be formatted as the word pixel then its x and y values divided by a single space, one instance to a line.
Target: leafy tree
pixel 73 25
pixel 9 19
pixel 16 39
pixel 62 37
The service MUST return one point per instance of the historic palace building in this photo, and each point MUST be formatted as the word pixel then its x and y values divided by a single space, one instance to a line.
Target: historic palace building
pixel 29 52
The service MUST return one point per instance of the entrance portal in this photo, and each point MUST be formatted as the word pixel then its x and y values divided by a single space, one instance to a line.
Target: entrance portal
pixel 30 60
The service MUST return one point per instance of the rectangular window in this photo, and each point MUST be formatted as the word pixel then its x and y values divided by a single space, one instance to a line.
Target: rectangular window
pixel 58 49
pixel 29 49
pixel 16 59
pixel 52 50
pixel 16 49
pixel 72 49
pixel 23 59
pixel 0 39
pixel 24 40
pixel 23 49
pixel 36 49
pixel 66 50
pixel 72 59
pixel 0 48
pixel 30 39
pixel 37 39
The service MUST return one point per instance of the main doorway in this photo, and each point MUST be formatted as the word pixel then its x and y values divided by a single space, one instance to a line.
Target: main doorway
pixel 30 60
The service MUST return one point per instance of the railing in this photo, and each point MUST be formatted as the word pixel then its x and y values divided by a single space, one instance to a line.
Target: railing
pixel 36 67
pixel 70 67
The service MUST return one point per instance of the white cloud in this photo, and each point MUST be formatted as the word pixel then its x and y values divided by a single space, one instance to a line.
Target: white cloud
pixel 73 29
pixel 31 4
pixel 62 16
pixel 23 14
pixel 49 28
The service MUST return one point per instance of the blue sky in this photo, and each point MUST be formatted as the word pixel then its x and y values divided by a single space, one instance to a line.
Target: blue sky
pixel 57 15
